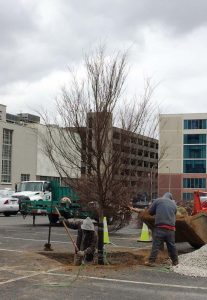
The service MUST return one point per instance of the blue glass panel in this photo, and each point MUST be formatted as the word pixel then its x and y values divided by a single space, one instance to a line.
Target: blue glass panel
pixel 194 183
pixel 194 138
pixel 194 166
pixel 194 151
pixel 195 124
pixel 187 196
pixel 185 124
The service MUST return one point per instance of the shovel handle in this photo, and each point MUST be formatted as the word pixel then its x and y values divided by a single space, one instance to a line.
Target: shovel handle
pixel 68 232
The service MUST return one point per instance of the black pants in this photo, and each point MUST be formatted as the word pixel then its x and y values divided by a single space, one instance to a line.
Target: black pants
pixel 161 235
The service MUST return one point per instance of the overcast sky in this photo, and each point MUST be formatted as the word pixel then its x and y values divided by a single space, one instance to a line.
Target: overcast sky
pixel 167 39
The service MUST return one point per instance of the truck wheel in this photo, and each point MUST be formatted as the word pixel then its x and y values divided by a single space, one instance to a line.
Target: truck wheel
pixel 195 246
pixel 53 219
pixel 7 214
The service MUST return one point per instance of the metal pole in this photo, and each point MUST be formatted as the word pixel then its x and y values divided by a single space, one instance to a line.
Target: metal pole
pixel 151 183
pixel 47 246
pixel 169 179
pixel 100 242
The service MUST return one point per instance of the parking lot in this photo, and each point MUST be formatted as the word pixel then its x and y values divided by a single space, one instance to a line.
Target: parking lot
pixel 28 272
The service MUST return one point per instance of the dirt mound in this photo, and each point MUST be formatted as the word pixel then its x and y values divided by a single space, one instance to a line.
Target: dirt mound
pixel 116 258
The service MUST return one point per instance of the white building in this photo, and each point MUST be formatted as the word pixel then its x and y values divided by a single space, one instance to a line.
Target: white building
pixel 21 152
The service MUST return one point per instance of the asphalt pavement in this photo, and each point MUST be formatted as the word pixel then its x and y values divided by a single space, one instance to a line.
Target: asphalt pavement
pixel 28 274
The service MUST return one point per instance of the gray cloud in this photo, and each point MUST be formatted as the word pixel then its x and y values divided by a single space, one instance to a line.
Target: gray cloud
pixel 38 38
pixel 30 47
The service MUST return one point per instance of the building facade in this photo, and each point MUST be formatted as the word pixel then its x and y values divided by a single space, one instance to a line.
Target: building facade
pixel 18 151
pixel 22 150
pixel 138 154
pixel 182 167
pixel 23 157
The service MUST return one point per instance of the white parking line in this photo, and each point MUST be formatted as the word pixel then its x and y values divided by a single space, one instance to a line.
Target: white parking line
pixel 11 250
pixel 122 281
pixel 35 240
pixel 61 242
pixel 133 282
pixel 29 276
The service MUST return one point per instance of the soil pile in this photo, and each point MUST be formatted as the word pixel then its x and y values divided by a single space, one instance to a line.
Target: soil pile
pixel 117 258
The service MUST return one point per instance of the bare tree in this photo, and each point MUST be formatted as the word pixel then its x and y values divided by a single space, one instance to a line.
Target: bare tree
pixel 89 113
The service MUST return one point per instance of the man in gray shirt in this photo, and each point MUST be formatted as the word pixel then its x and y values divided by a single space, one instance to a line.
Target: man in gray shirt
pixel 164 209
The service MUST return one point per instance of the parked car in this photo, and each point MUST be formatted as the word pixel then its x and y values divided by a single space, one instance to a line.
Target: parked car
pixel 8 205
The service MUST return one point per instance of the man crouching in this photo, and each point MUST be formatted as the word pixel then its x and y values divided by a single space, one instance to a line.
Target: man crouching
pixel 86 243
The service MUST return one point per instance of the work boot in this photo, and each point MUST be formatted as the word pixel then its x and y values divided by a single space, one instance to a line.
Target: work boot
pixel 175 263
pixel 150 263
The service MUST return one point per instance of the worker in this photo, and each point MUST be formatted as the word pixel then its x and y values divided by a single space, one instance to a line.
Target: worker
pixel 164 209
pixel 86 243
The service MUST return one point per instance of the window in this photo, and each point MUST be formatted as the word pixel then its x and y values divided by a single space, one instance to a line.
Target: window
pixel 140 163
pixel 187 196
pixel 6 156
pixel 49 178
pixel 194 166
pixel 140 152
pixel 146 154
pixel 25 177
pixel 116 135
pixel 133 162
pixel 90 122
pixel 146 164
pixel 194 139
pixel 134 151
pixel 195 124
pixel 194 183
pixel 194 151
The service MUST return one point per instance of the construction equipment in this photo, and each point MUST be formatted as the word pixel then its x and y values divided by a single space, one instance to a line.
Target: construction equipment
pixel 191 229
pixel 64 198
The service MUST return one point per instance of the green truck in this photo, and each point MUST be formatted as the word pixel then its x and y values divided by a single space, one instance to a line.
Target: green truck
pixel 42 198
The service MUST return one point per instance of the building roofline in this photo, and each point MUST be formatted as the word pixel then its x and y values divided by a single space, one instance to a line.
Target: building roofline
pixel 185 114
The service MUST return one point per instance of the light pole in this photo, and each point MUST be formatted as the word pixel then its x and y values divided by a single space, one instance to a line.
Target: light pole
pixel 169 181
pixel 151 182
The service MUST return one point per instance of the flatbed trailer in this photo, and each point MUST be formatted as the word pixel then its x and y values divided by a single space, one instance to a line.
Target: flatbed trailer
pixel 64 198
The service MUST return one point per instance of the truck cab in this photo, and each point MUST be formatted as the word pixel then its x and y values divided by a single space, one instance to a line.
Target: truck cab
pixel 34 190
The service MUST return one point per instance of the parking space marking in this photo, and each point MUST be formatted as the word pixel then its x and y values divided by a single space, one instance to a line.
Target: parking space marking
pixel 61 242
pixel 11 250
pixel 29 276
pixel 34 240
pixel 189 287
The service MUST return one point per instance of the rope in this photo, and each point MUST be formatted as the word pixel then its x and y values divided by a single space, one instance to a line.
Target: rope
pixel 164 269
pixel 66 284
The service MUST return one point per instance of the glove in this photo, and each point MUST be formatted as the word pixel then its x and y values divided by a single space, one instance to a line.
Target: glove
pixel 81 253
pixel 61 219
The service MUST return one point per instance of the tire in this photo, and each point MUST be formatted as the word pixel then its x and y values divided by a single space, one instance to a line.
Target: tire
pixel 196 246
pixel 15 213
pixel 53 219
pixel 7 214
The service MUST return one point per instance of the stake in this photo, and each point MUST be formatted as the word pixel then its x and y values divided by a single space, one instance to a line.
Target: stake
pixel 68 232
pixel 48 244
